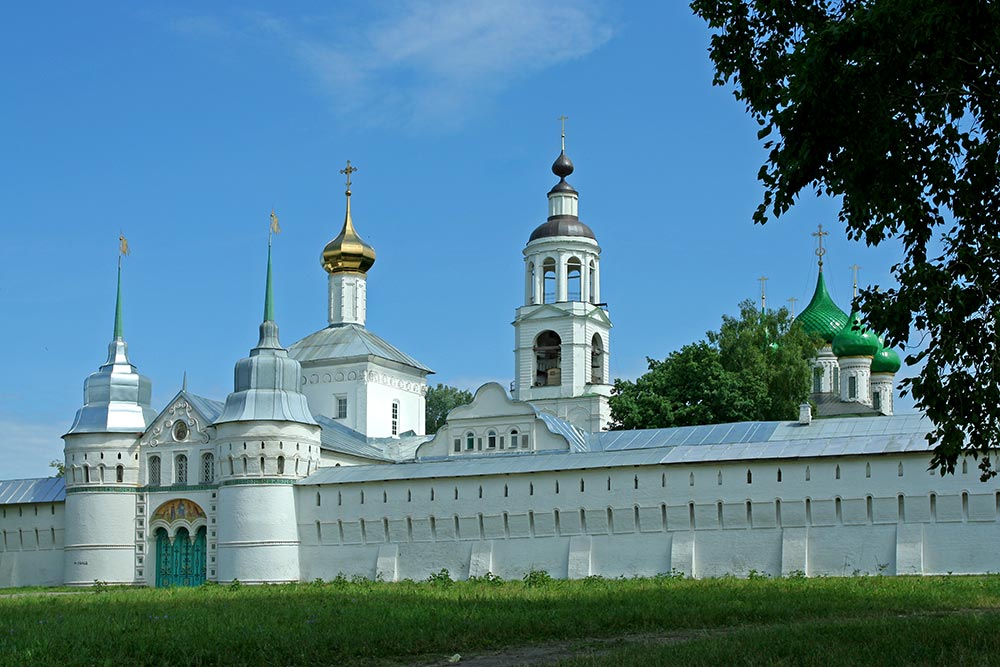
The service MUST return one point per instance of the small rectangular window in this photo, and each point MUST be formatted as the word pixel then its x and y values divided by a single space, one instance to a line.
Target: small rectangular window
pixel 877 400
pixel 341 408
pixel 458 444
pixel 852 387
pixel 395 417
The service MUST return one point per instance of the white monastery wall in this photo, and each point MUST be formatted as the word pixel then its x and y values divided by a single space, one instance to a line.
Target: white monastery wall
pixel 31 544
pixel 866 518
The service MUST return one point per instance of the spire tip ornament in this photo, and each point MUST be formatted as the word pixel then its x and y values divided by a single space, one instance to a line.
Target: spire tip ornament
pixel 820 251
pixel 348 252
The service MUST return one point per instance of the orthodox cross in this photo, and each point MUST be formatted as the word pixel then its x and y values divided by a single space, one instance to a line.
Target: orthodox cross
pixel 854 268
pixel 763 292
pixel 791 304
pixel 820 251
pixel 348 171
pixel 563 119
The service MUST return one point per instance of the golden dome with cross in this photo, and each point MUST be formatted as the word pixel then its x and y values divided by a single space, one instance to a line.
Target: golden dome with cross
pixel 348 252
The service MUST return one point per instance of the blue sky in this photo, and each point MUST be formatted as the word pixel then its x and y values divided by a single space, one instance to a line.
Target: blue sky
pixel 182 124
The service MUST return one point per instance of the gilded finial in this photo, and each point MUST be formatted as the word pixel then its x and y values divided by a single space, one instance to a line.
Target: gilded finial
pixel 348 171
pixel 820 251
pixel 763 293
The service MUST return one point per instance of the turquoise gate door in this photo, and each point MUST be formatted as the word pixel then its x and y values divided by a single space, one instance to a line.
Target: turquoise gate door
pixel 183 562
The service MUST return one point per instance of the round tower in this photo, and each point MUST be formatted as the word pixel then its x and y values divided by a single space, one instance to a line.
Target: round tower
pixel 884 367
pixel 267 439
pixel 855 347
pixel 562 332
pixel 102 468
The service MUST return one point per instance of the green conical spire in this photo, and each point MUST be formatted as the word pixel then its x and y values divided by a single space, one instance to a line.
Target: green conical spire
pixel 268 292
pixel 118 305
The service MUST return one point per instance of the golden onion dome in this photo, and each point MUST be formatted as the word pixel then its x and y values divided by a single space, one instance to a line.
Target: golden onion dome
pixel 348 252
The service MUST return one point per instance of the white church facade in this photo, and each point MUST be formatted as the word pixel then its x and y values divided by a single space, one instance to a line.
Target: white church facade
pixel 317 463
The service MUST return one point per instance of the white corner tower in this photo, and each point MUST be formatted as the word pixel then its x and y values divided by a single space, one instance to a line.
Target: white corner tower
pixel 267 439
pixel 102 468
pixel 562 332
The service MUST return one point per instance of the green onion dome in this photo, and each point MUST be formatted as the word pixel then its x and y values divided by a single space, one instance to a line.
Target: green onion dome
pixel 855 339
pixel 822 317
pixel 886 360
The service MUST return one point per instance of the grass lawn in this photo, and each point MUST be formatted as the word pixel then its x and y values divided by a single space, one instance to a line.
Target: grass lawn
pixel 828 621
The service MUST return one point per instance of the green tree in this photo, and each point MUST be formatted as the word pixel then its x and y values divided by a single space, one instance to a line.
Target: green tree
pixel 893 107
pixel 439 402
pixel 755 367
pixel 60 467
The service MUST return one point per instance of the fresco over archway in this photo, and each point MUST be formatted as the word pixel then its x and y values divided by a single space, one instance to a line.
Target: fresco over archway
pixel 179 509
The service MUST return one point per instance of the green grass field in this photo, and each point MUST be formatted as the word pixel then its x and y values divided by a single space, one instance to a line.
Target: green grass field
pixel 828 621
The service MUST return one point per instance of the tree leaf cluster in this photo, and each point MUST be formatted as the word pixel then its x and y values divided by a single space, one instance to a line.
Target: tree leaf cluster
pixel 439 401
pixel 756 367
pixel 893 107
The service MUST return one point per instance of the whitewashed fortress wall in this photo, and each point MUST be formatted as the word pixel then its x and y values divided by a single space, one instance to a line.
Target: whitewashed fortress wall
pixel 834 516
pixel 31 544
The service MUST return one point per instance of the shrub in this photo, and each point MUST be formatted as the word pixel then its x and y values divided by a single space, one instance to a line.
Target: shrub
pixel 535 578
pixel 442 578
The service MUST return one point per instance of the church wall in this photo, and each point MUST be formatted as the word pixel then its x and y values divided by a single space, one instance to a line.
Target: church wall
pixel 866 518
pixel 31 544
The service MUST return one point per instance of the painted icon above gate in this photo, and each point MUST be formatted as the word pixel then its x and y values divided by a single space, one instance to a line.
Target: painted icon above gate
pixel 179 509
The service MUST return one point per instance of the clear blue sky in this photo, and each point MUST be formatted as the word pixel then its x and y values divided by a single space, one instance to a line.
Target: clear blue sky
pixel 182 124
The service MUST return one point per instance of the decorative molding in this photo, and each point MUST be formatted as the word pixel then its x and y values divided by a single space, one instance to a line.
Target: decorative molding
pixel 255 482
pixel 162 430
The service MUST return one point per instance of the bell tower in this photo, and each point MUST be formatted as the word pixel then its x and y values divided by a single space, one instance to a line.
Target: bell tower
pixel 562 332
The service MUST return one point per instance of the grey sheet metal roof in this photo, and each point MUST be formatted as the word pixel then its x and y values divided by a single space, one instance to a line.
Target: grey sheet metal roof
pixel 208 408
pixel 42 490
pixel 745 441
pixel 576 438
pixel 349 340
pixel 336 437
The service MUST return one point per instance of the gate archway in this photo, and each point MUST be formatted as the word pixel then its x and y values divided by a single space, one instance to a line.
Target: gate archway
pixel 179 527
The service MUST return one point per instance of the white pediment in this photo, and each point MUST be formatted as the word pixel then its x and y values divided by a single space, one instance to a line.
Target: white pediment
pixel 165 430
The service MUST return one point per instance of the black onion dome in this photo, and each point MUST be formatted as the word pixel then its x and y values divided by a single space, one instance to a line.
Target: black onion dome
pixel 563 166
pixel 562 225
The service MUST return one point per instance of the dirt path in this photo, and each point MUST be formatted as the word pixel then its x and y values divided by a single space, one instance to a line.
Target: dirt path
pixel 548 653
pixel 551 652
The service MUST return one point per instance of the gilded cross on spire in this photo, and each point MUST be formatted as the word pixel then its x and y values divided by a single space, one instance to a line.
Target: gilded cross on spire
pixel 820 251
pixel 763 293
pixel 854 268
pixel 563 119
pixel 348 171
pixel 791 303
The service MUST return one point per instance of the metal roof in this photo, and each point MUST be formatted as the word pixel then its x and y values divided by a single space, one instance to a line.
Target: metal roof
pixel 349 340
pixel 42 490
pixel 208 408
pixel 747 441
pixel 336 437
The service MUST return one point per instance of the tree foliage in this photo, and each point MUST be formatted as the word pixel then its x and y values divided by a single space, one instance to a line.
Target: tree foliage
pixel 755 367
pixel 894 107
pixel 59 466
pixel 439 401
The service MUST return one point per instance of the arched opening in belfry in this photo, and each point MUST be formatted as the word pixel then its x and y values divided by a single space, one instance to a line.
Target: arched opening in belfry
pixel 592 281
pixel 574 278
pixel 596 360
pixel 549 280
pixel 532 287
pixel 548 349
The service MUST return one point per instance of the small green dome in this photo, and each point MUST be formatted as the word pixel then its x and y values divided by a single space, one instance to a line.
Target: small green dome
pixel 855 339
pixel 822 317
pixel 886 360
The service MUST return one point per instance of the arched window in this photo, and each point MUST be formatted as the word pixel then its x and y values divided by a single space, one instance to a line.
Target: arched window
pixel 470 441
pixel 491 439
pixel 513 438
pixel 817 380
pixel 548 348
pixel 153 473
pixel 574 278
pixel 395 417
pixel 596 360
pixel 281 465
pixel 120 474
pixel 181 469
pixel 549 280
pixel 86 474
pixel 207 468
